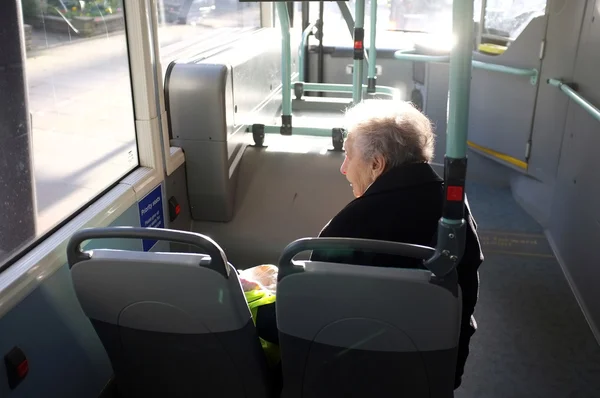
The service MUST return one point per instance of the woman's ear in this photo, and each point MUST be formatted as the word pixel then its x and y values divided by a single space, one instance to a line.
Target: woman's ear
pixel 378 166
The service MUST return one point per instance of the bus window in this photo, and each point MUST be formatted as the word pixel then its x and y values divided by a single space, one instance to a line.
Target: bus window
pixel 82 139
pixel 187 27
pixel 508 18
pixel 504 18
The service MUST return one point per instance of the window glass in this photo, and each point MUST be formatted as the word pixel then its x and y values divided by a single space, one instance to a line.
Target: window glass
pixel 189 27
pixel 509 18
pixel 82 135
pixel 505 18
pixel 431 16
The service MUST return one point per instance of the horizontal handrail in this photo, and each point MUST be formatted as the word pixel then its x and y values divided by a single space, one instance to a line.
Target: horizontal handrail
pixel 408 55
pixel 347 88
pixel 509 70
pixel 217 256
pixel 576 97
pixel 306 131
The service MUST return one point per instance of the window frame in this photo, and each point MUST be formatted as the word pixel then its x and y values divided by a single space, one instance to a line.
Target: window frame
pixel 47 254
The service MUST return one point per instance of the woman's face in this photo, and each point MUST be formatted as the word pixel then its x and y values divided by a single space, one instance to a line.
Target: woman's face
pixel 358 172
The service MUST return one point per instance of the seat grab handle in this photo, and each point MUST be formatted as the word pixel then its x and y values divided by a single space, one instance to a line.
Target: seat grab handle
pixel 286 266
pixel 218 260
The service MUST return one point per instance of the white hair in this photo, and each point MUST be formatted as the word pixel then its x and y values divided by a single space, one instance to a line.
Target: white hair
pixel 395 130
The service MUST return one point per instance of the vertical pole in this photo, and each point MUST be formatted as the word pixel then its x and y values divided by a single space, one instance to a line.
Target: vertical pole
pixel 349 21
pixel 372 78
pixel 359 53
pixel 290 10
pixel 267 17
pixel 481 24
pixel 452 228
pixel 286 68
pixel 305 64
pixel 321 56
pixel 303 51
pixel 17 189
pixel 305 11
pixel 458 118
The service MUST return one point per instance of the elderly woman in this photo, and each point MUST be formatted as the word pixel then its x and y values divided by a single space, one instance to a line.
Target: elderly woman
pixel 399 198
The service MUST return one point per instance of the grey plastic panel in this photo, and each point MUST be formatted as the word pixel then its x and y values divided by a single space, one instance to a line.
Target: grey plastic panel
pixel 502 105
pixel 176 186
pixel 195 91
pixel 197 298
pixel 398 297
pixel 158 365
pixel 209 104
pixel 564 29
pixel 255 76
pixel 211 190
pixel 362 373
pixel 575 222
pixel 157 316
pixel 198 112
pixel 286 191
pixel 65 356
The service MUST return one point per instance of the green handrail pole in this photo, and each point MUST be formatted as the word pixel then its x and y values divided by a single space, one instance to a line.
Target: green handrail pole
pixel 302 50
pixel 576 97
pixel 532 73
pixel 461 59
pixel 481 26
pixel 452 227
pixel 286 68
pixel 372 77
pixel 343 6
pixel 347 15
pixel 346 88
pixel 409 55
pixel 305 131
pixel 359 51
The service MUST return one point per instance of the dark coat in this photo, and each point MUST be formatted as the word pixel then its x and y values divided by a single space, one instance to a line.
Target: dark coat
pixel 404 205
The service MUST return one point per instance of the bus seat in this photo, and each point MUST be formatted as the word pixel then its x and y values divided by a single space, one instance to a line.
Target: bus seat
pixel 360 331
pixel 173 324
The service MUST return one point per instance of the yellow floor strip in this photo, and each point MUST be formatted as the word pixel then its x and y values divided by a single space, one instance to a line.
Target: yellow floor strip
pixel 509 159
pixel 517 253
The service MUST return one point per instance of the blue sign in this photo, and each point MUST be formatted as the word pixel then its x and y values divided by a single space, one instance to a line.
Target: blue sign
pixel 151 214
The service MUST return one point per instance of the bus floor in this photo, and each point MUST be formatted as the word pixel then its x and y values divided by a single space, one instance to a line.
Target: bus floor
pixel 532 338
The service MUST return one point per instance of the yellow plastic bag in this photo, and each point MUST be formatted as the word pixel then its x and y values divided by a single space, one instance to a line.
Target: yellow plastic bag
pixel 260 285
pixel 261 277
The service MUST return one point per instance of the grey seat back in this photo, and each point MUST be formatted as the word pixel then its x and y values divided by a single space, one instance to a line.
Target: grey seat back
pixel 173 324
pixel 356 331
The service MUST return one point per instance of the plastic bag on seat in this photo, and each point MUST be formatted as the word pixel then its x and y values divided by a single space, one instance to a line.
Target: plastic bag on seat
pixel 260 285
pixel 262 277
